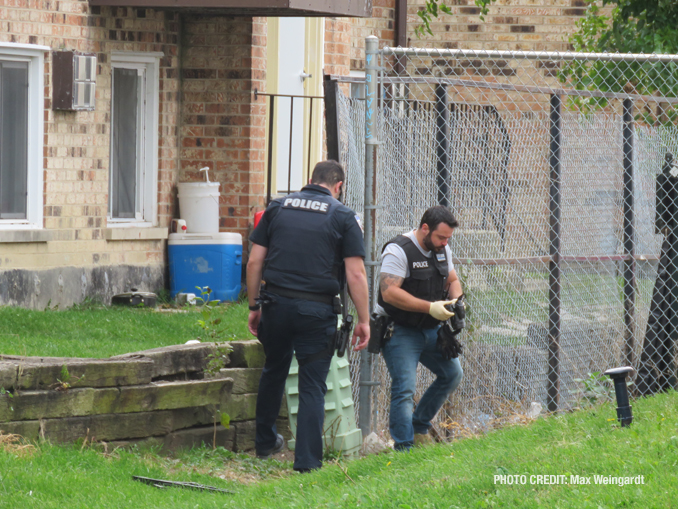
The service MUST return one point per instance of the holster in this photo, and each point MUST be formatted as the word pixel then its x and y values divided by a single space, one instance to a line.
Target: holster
pixel 265 298
pixel 381 330
pixel 343 336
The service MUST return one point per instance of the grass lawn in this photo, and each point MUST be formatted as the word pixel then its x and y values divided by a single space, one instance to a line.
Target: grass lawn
pixel 457 475
pixel 96 331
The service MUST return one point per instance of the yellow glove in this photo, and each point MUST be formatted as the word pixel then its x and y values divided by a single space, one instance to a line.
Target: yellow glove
pixel 438 311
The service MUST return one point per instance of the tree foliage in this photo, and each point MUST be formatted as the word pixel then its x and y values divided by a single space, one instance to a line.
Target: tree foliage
pixel 632 26
pixel 428 13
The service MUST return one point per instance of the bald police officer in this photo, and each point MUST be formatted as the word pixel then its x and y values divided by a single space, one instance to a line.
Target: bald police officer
pixel 304 247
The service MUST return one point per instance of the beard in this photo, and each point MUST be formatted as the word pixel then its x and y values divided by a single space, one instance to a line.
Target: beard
pixel 429 245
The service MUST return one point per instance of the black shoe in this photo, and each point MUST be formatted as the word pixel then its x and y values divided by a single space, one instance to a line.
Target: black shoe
pixel 279 444
pixel 301 470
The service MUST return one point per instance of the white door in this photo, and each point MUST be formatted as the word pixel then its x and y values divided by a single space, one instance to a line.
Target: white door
pixel 290 112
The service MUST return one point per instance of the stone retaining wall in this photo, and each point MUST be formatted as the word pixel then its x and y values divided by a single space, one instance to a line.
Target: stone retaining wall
pixel 161 397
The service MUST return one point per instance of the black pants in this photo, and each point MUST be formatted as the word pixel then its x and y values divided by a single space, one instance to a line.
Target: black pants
pixel 303 327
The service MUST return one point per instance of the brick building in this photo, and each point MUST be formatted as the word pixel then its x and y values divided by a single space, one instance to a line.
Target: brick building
pixel 87 192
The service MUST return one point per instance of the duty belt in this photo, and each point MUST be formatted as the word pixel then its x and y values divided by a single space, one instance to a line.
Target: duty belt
pixel 297 294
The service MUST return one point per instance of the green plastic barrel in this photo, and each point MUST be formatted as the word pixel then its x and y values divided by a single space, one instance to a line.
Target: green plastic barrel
pixel 340 428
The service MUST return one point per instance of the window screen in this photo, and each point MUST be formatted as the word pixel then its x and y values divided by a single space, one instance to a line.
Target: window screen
pixel 125 134
pixel 13 139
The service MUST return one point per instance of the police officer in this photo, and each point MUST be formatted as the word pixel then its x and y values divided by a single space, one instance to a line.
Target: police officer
pixel 305 245
pixel 416 272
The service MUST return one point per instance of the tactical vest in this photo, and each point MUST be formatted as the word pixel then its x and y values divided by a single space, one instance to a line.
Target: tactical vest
pixel 304 251
pixel 426 281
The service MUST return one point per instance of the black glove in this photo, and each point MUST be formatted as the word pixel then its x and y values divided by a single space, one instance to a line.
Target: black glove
pixel 448 344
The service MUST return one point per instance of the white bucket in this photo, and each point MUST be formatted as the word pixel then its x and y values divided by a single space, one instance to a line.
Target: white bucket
pixel 199 206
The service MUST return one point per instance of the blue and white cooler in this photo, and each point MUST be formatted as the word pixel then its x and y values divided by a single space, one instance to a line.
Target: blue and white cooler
pixel 206 259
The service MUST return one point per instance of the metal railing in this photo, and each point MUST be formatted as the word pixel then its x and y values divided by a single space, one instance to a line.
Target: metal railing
pixel 270 134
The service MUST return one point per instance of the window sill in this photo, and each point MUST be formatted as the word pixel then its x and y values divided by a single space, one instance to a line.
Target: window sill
pixel 135 233
pixel 25 236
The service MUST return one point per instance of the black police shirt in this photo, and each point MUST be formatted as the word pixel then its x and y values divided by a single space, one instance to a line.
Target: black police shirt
pixel 308 234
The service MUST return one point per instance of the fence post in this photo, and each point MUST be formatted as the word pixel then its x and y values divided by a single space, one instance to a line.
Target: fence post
pixel 442 145
pixel 629 235
pixel 554 251
pixel 371 109
pixel 331 119
pixel 269 173
pixel 289 163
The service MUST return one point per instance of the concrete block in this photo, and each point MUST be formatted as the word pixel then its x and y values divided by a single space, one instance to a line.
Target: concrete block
pixel 174 360
pixel 38 373
pixel 95 401
pixel 247 354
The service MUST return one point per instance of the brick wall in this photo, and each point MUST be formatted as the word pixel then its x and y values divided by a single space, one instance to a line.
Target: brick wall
pixel 540 25
pixel 222 127
pixel 529 25
pixel 76 144
pixel 381 25
pixel 337 46
pixel 208 70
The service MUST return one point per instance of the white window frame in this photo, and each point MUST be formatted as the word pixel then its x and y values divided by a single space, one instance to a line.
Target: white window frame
pixel 34 55
pixel 149 63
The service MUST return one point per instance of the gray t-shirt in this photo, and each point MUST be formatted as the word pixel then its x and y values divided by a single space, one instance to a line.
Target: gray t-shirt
pixel 394 261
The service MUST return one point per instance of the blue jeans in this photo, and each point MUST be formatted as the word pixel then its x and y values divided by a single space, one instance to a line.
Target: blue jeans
pixel 305 328
pixel 402 353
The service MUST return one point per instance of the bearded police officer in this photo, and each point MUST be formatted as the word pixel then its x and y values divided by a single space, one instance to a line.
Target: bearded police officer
pixel 305 246
pixel 416 273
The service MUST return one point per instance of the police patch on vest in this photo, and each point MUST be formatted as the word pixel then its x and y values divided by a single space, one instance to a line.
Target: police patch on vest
pixel 419 265
pixel 303 204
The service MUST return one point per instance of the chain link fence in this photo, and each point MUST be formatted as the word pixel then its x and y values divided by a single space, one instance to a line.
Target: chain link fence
pixel 553 164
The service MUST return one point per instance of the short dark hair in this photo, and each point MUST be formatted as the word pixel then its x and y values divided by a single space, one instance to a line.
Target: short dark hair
pixel 436 215
pixel 327 172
